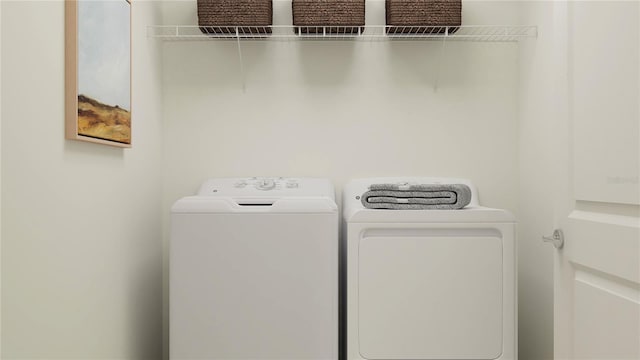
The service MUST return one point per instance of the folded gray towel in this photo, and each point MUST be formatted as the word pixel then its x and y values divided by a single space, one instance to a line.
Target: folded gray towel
pixel 417 197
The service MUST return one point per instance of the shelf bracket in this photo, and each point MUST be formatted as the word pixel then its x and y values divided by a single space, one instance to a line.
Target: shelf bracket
pixel 441 58
pixel 242 76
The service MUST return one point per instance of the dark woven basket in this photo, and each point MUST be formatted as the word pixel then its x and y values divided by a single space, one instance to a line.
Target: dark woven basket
pixel 223 16
pixel 330 16
pixel 423 16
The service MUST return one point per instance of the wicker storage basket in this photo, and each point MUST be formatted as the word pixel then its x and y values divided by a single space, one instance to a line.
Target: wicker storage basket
pixel 423 16
pixel 222 16
pixel 330 16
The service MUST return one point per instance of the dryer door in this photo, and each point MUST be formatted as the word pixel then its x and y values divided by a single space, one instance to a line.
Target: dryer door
pixel 430 294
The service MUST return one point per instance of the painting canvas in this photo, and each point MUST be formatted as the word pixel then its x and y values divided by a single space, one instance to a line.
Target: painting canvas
pixel 99 71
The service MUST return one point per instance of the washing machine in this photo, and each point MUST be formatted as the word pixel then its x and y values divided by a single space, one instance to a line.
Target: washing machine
pixel 254 271
pixel 428 284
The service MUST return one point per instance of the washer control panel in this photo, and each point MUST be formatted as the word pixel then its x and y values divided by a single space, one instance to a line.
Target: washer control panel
pixel 267 183
pixel 266 187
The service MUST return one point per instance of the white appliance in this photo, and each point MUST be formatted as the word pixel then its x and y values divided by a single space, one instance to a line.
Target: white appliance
pixel 429 284
pixel 254 271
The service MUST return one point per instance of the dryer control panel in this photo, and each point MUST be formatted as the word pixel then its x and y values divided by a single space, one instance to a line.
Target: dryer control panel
pixel 271 187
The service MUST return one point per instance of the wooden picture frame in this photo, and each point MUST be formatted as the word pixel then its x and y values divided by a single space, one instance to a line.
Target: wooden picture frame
pixel 98 71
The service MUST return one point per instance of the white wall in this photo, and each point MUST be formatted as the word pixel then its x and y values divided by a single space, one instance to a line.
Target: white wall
pixel 81 234
pixel 342 109
pixel 539 154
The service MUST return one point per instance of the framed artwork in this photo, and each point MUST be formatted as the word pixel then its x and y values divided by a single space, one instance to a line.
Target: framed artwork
pixel 98 71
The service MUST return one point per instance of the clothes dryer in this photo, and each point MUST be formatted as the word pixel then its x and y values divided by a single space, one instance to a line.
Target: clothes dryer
pixel 428 284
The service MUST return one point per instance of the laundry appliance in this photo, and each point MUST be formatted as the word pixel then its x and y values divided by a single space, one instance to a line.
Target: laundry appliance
pixel 428 284
pixel 254 271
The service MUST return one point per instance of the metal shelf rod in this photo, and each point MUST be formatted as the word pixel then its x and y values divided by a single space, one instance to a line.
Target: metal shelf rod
pixel 491 33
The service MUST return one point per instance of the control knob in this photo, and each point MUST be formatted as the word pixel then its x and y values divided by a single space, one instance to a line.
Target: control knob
pixel 265 184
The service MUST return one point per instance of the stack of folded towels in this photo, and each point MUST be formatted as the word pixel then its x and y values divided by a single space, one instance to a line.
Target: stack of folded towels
pixel 417 196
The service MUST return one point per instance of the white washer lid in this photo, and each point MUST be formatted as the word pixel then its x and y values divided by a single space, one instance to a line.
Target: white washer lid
pixel 354 211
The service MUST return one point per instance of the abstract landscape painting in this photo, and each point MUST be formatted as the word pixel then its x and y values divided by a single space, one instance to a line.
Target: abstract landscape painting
pixel 100 32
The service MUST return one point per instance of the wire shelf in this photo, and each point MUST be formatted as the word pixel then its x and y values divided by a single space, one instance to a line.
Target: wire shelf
pixel 489 33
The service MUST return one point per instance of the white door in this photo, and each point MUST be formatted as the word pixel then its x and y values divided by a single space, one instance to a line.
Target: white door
pixel 597 272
